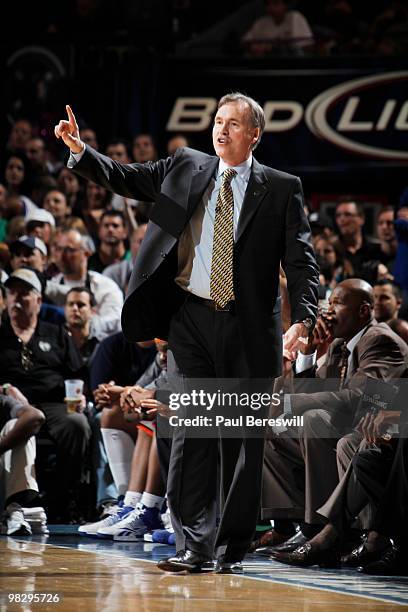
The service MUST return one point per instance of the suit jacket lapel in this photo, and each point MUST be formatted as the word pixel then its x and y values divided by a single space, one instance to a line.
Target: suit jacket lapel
pixel 199 181
pixel 255 192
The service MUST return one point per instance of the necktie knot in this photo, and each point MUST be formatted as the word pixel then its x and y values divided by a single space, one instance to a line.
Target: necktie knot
pixel 228 174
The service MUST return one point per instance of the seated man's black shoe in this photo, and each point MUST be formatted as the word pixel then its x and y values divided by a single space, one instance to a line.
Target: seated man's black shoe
pixel 225 565
pixel 184 561
pixel 307 555
pixel 291 544
pixel 391 563
pixel 360 556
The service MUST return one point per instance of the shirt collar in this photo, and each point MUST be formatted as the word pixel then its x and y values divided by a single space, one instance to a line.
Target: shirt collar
pixel 243 170
pixel 355 339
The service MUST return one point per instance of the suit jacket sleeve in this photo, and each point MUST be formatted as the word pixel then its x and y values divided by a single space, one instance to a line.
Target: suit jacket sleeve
pixel 137 181
pixel 299 261
pixel 377 357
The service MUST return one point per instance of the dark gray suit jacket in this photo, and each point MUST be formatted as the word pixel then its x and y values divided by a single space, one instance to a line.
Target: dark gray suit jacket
pixel 272 228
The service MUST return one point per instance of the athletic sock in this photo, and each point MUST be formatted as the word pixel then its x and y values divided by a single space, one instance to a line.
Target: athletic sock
pixel 119 448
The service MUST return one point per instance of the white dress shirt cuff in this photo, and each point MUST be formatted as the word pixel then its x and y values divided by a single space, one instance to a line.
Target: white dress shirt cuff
pixel 304 362
pixel 74 158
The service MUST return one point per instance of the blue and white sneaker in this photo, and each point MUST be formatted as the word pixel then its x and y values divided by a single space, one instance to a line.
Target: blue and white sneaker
pixel 115 515
pixel 143 520
pixel 161 536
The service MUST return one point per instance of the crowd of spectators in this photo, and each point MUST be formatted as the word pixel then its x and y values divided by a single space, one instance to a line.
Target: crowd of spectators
pixel 260 27
pixel 66 252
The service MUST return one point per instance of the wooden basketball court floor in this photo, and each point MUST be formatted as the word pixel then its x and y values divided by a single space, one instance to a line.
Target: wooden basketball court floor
pixel 101 575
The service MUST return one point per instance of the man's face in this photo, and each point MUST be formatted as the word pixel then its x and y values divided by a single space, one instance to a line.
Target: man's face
pixel 68 182
pixel 233 134
pixel 72 254
pixel 348 219
pixel 276 9
pixel 143 148
pixel 118 153
pixel 40 229
pixel 386 305
pixel 136 240
pixel 344 307
pixel 385 226
pixel 95 195
pixel 111 230
pixel 14 171
pixel 22 302
pixel 56 203
pixel 35 150
pixel 88 136
pixel 78 309
pixel 326 251
pixel 24 256
pixel 20 133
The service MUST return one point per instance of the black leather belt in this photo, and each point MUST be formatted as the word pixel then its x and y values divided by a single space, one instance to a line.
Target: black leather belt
pixel 230 307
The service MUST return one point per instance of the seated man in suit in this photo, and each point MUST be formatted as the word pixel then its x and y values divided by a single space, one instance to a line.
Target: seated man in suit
pixel 300 472
pixel 376 478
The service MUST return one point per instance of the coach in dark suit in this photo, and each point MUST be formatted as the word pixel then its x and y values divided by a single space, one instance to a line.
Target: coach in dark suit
pixel 219 229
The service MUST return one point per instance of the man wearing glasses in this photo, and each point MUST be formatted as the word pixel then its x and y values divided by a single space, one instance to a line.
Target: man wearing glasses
pixel 73 250
pixel 37 357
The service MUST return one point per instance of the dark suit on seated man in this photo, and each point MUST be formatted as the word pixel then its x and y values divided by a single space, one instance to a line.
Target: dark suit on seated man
pixel 218 231
pixel 300 472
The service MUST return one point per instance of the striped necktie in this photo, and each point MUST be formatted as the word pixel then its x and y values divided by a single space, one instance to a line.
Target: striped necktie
pixel 221 281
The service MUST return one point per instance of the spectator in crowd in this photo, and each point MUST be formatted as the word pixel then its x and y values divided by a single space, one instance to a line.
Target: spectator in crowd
pixel 400 268
pixel 73 262
pixel 56 203
pixel 21 132
pixel 40 223
pixel 79 309
pixel 97 200
pixel 19 422
pixel 362 252
pixel 279 27
pixel 112 235
pixel 69 184
pixel 18 181
pixel 176 142
pixel 39 356
pixel 36 152
pixel 28 251
pixel 89 136
pixel 387 301
pixel 387 236
pixel 118 150
pixel 360 348
pixel 120 272
pixel 143 148
pixel 3 212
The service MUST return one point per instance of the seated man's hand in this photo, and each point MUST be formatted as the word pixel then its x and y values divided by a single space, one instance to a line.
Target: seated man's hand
pixel 132 397
pixel 108 394
pixel 373 426
pixel 153 407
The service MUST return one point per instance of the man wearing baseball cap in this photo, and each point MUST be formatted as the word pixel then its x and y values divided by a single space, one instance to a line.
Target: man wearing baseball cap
pixel 37 357
pixel 40 223
pixel 28 251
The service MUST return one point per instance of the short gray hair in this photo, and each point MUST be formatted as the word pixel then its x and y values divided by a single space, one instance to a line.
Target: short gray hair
pixel 256 113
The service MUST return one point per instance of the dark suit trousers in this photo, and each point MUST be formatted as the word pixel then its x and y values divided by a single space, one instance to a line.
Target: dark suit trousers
pixel 207 344
pixel 300 472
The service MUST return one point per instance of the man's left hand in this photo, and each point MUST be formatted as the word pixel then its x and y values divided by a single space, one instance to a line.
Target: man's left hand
pixel 295 337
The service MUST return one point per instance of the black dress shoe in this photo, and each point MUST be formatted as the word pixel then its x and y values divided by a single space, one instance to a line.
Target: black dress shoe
pixel 306 555
pixel 224 565
pixel 361 556
pixel 291 544
pixel 184 561
pixel 391 563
